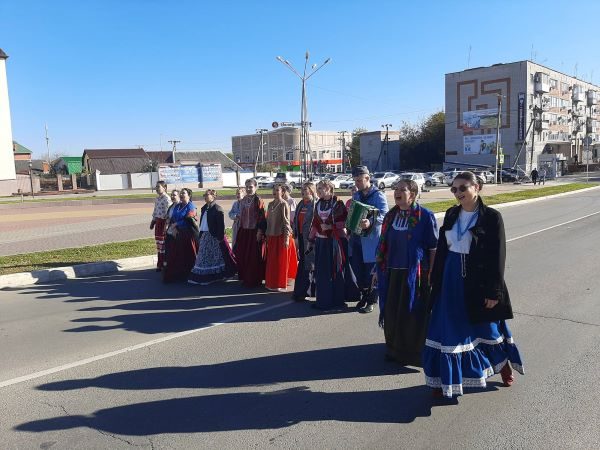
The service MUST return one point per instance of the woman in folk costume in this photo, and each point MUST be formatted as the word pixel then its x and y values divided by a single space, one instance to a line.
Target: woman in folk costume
pixel 215 261
pixel 159 221
pixel 182 244
pixel 335 282
pixel 404 257
pixel 304 285
pixel 287 196
pixel 250 242
pixel 468 339
pixel 281 265
pixel 234 214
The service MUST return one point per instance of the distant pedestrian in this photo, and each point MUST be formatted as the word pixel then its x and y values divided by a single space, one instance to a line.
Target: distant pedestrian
pixel 468 339
pixel 214 261
pixel 287 196
pixel 234 214
pixel 542 175
pixel 183 234
pixel 534 175
pixel 159 220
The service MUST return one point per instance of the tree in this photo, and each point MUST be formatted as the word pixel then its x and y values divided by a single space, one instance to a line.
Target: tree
pixel 355 146
pixel 422 146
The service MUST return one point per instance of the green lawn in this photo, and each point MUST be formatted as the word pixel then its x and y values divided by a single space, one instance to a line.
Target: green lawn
pixel 141 247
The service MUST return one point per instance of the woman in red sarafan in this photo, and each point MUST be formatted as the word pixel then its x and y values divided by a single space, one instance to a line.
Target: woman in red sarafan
pixel 281 262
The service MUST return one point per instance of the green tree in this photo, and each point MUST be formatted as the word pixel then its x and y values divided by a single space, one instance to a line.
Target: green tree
pixel 355 146
pixel 422 145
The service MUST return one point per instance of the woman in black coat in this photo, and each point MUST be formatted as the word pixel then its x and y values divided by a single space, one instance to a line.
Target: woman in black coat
pixel 468 339
pixel 215 260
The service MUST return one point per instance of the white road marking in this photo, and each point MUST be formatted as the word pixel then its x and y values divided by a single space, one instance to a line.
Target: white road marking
pixel 553 226
pixel 43 373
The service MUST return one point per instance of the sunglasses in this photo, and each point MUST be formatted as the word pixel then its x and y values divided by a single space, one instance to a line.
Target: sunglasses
pixel 461 188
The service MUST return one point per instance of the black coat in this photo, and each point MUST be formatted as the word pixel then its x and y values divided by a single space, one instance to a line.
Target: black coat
pixel 215 220
pixel 484 265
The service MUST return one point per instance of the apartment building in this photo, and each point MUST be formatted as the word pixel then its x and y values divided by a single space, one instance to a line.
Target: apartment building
pixel 379 153
pixel 547 118
pixel 280 149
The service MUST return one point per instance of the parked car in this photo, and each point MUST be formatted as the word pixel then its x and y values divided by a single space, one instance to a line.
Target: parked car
pixel 291 178
pixel 449 176
pixel 384 179
pixel 414 176
pixel 264 181
pixel 485 175
pixel 514 175
pixel 347 184
pixel 339 179
pixel 433 178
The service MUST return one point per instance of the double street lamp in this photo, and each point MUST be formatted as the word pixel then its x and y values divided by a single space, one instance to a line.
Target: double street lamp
pixel 304 124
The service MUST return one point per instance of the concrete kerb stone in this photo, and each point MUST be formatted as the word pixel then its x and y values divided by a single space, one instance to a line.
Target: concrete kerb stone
pixel 77 271
pixel 140 262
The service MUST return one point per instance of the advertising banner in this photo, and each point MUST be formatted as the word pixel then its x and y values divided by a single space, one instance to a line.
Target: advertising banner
pixel 189 174
pixel 521 118
pixel 481 118
pixel 169 175
pixel 210 174
pixel 483 144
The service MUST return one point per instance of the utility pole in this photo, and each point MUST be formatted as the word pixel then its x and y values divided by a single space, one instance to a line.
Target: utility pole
pixel 261 152
pixel 343 142
pixel 387 143
pixel 47 144
pixel 174 142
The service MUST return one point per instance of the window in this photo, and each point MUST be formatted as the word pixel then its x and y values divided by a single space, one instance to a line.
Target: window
pixel 274 156
pixel 553 83
pixel 289 156
pixel 247 157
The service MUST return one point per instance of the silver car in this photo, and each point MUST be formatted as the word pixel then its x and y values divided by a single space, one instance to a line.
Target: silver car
pixel 384 179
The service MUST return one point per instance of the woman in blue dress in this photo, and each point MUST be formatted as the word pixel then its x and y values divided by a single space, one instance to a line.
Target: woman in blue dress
pixel 468 339
pixel 404 257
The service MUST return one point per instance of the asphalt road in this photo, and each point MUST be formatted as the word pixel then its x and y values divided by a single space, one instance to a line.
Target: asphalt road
pixel 121 361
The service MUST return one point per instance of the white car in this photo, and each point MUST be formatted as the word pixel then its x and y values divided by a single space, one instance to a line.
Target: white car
pixel 414 176
pixel 449 176
pixel 485 175
pixel 384 179
pixel 338 180
pixel 264 181
pixel 433 178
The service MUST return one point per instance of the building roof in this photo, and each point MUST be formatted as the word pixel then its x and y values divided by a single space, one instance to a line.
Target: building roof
pixel 161 157
pixel 116 153
pixel 20 150
pixel 111 166
pixel 207 157
pixel 22 167
pixel 73 164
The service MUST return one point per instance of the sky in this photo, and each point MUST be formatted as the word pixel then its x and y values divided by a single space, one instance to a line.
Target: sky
pixel 128 73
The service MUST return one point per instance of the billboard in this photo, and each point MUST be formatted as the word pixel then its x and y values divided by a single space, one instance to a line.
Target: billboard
pixel 481 118
pixel 483 144
pixel 169 175
pixel 211 173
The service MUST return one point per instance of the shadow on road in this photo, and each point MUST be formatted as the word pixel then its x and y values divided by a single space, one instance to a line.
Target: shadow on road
pixel 358 361
pixel 248 411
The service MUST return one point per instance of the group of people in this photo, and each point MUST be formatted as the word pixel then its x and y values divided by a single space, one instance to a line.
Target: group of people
pixel 538 176
pixel 442 297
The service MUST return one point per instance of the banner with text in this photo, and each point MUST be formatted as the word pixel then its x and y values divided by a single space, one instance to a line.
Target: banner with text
pixel 483 144
pixel 481 118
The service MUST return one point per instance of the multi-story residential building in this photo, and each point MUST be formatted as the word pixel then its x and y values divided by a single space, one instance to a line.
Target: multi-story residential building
pixel 378 154
pixel 548 118
pixel 280 149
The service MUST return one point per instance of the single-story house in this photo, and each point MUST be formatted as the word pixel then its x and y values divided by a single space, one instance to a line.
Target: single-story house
pixel 20 152
pixel 116 161
pixel 38 166
pixel 193 158
pixel 68 165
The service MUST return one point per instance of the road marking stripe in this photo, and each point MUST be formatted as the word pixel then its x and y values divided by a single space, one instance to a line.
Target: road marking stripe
pixel 43 373
pixel 553 226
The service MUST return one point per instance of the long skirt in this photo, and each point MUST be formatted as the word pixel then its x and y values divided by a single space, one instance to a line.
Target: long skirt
pixel 214 261
pixel 405 330
pixel 304 286
pixel 459 353
pixel 281 262
pixel 159 238
pixel 250 256
pixel 334 279
pixel 180 255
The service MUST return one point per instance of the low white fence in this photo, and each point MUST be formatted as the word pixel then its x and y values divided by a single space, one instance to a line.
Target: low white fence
pixel 230 178
pixel 145 180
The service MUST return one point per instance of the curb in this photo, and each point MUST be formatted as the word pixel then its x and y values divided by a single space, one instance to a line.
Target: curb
pixel 139 262
pixel 77 271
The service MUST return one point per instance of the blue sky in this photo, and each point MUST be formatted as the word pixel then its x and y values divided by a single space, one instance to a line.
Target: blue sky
pixel 122 73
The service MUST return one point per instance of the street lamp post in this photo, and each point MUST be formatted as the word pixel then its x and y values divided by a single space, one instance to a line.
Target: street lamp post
pixel 31 179
pixel 498 125
pixel 262 131
pixel 304 124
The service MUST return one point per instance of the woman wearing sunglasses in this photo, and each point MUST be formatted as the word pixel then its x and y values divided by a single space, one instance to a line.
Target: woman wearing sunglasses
pixel 468 339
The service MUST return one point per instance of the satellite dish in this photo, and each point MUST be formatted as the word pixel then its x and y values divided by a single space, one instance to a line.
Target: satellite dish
pixel 275 124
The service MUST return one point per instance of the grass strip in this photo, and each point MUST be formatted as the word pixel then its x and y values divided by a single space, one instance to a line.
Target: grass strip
pixel 514 196
pixel 141 247
pixel 29 262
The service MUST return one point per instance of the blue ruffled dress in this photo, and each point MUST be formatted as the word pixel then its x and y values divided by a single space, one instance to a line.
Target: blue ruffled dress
pixel 458 353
